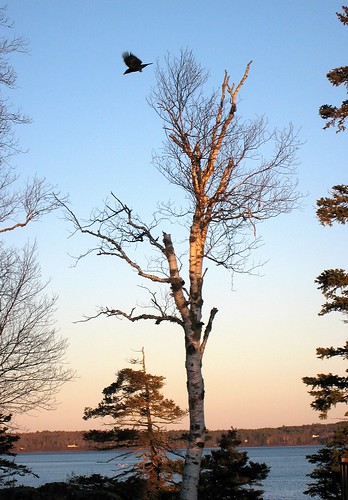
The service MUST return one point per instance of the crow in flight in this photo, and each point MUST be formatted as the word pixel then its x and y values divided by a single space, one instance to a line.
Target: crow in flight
pixel 133 63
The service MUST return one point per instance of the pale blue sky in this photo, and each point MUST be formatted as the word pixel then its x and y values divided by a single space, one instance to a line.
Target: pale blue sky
pixel 93 132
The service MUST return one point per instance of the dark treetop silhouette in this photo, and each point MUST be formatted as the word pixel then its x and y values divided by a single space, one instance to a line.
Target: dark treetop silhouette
pixel 133 63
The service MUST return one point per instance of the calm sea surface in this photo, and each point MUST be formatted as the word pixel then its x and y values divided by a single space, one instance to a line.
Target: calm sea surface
pixel 287 479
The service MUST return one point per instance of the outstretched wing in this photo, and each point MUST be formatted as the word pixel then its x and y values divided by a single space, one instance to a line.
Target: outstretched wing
pixel 132 61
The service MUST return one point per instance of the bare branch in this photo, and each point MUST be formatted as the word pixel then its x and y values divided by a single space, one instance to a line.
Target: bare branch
pixel 31 354
pixel 36 200
pixel 120 223
pixel 218 160
pixel 131 317
pixel 208 329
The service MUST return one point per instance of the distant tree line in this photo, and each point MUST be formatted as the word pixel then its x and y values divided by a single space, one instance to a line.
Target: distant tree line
pixel 302 435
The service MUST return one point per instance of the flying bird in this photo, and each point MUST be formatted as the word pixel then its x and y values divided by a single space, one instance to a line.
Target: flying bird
pixel 133 63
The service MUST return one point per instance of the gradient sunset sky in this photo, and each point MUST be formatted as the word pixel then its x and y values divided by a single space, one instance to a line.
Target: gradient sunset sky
pixel 93 132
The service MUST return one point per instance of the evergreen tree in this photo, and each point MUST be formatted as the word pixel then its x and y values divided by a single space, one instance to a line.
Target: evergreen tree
pixel 8 467
pixel 327 474
pixel 334 208
pixel 329 389
pixel 228 473
pixel 336 77
pixel 140 412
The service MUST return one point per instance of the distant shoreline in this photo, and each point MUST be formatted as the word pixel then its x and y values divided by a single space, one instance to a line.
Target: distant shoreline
pixel 90 450
pixel 73 441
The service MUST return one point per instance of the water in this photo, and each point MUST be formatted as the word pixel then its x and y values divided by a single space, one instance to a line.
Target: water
pixel 286 481
pixel 287 478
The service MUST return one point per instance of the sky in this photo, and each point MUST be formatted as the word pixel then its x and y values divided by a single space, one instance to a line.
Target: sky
pixel 92 132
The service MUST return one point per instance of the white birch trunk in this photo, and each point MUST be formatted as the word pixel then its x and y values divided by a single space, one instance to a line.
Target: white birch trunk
pixel 191 312
pixel 195 388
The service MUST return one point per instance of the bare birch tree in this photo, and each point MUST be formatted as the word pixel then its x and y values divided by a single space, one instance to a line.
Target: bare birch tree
pixel 221 164
pixel 32 355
